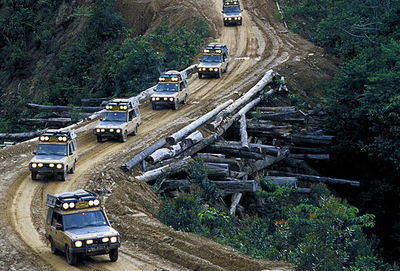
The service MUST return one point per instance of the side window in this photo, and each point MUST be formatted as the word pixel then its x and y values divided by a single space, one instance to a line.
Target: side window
pixel 71 149
pixel 49 216
pixel 132 115
pixel 57 218
pixel 182 85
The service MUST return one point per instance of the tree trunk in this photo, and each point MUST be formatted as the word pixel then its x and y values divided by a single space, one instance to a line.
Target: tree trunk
pixel 260 148
pixel 234 152
pixel 172 139
pixel 265 125
pixel 60 108
pixel 235 201
pixel 174 150
pixel 277 109
pixel 165 170
pixel 296 116
pixel 21 136
pixel 267 78
pixel 312 178
pixel 299 139
pixel 229 186
pixel 59 122
pixel 244 140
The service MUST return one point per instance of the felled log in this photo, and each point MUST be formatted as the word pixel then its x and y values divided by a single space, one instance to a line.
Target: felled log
pixel 127 166
pixel 234 152
pixel 277 108
pixel 21 136
pixel 296 116
pixel 268 125
pixel 268 134
pixel 297 149
pixel 309 156
pixel 299 139
pixel 60 108
pixel 312 178
pixel 59 122
pixel 165 170
pixel 217 171
pixel 229 186
pixel 172 139
pixel 174 150
pixel 234 163
pixel 260 148
pixel 279 180
pixel 244 139
pixel 234 202
pixel 267 78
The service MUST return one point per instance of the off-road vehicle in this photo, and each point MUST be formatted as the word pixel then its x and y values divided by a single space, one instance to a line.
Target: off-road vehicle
pixel 172 90
pixel 56 154
pixel 214 60
pixel 78 226
pixel 232 14
pixel 120 119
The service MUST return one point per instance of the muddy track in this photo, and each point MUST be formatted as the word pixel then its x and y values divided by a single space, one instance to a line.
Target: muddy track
pixel 255 47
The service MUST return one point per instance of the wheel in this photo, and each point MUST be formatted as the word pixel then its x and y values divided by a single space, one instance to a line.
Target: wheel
pixel 72 170
pixel 226 69
pixel 113 254
pixel 53 248
pixel 175 105
pixel 99 138
pixel 62 176
pixel 34 175
pixel 124 137
pixel 185 99
pixel 135 130
pixel 219 74
pixel 72 258
pixel 200 76
pixel 153 106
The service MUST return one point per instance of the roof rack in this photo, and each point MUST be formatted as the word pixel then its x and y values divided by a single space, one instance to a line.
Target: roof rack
pixel 57 135
pixel 78 199
pixel 230 2
pixel 122 104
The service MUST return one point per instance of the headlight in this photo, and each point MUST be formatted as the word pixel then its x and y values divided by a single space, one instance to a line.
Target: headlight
pixel 78 243
pixel 102 130
pixel 230 19
pixel 64 138
pixel 59 166
pixel 105 239
pixel 171 99
pixel 41 138
pixel 40 165
pixel 153 98
pixel 71 205
pixel 65 205
pixel 91 203
pixel 114 239
pixel 118 130
pixel 157 98
pixel 51 165
pixel 165 99
pixel 89 242
pixel 98 130
pixel 216 69
pixel 96 202
pixel 210 69
pixel 225 19
pixel 33 165
pixel 46 138
pixel 111 130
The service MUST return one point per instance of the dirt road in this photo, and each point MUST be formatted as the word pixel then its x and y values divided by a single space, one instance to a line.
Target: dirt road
pixel 255 47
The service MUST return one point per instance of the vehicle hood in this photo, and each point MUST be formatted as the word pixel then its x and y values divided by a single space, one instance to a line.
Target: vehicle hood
pixel 232 14
pixel 165 94
pixel 111 124
pixel 91 232
pixel 209 65
pixel 49 159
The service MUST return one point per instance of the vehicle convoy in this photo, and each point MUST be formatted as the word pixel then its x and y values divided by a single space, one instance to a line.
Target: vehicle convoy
pixel 172 90
pixel 214 60
pixel 232 14
pixel 56 154
pixel 77 225
pixel 120 119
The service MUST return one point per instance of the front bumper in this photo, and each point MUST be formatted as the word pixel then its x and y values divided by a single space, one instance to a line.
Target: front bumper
pixel 96 249
pixel 47 170
pixel 108 134
pixel 232 21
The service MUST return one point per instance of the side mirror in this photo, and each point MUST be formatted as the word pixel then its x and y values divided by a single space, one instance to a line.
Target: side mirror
pixel 110 221
pixel 58 226
pixel 34 152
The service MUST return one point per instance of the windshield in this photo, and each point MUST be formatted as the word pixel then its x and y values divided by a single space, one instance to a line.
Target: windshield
pixel 52 149
pixel 167 87
pixel 114 116
pixel 232 9
pixel 211 59
pixel 84 219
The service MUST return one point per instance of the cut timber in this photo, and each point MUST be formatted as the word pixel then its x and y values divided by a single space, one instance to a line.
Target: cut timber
pixel 309 156
pixel 229 186
pixel 234 152
pixel 299 139
pixel 21 136
pixel 172 139
pixel 60 108
pixel 296 116
pixel 235 201
pixel 267 78
pixel 292 181
pixel 174 150
pixel 265 125
pixel 234 163
pixel 244 139
pixel 277 109
pixel 59 122
pixel 312 178
pixel 260 148
pixel 143 155
pixel 165 170
pixel 215 171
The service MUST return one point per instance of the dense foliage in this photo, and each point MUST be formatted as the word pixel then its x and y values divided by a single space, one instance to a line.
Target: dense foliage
pixel 315 232
pixel 102 59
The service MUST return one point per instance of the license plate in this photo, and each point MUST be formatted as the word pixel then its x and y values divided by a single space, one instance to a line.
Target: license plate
pixel 97 248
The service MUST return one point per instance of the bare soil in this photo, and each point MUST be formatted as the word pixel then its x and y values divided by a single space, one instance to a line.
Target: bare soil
pixel 260 44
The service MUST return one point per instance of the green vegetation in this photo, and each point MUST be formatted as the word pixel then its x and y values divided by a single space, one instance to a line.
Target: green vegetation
pixel 315 232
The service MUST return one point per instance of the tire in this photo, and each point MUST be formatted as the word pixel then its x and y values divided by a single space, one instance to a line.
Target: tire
pixel 175 106
pixel 53 248
pixel 62 176
pixel 200 76
pixel 34 175
pixel 124 136
pixel 185 99
pixel 99 138
pixel 72 258
pixel 226 69
pixel 219 74
pixel 113 254
pixel 72 170
pixel 135 130
pixel 153 106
